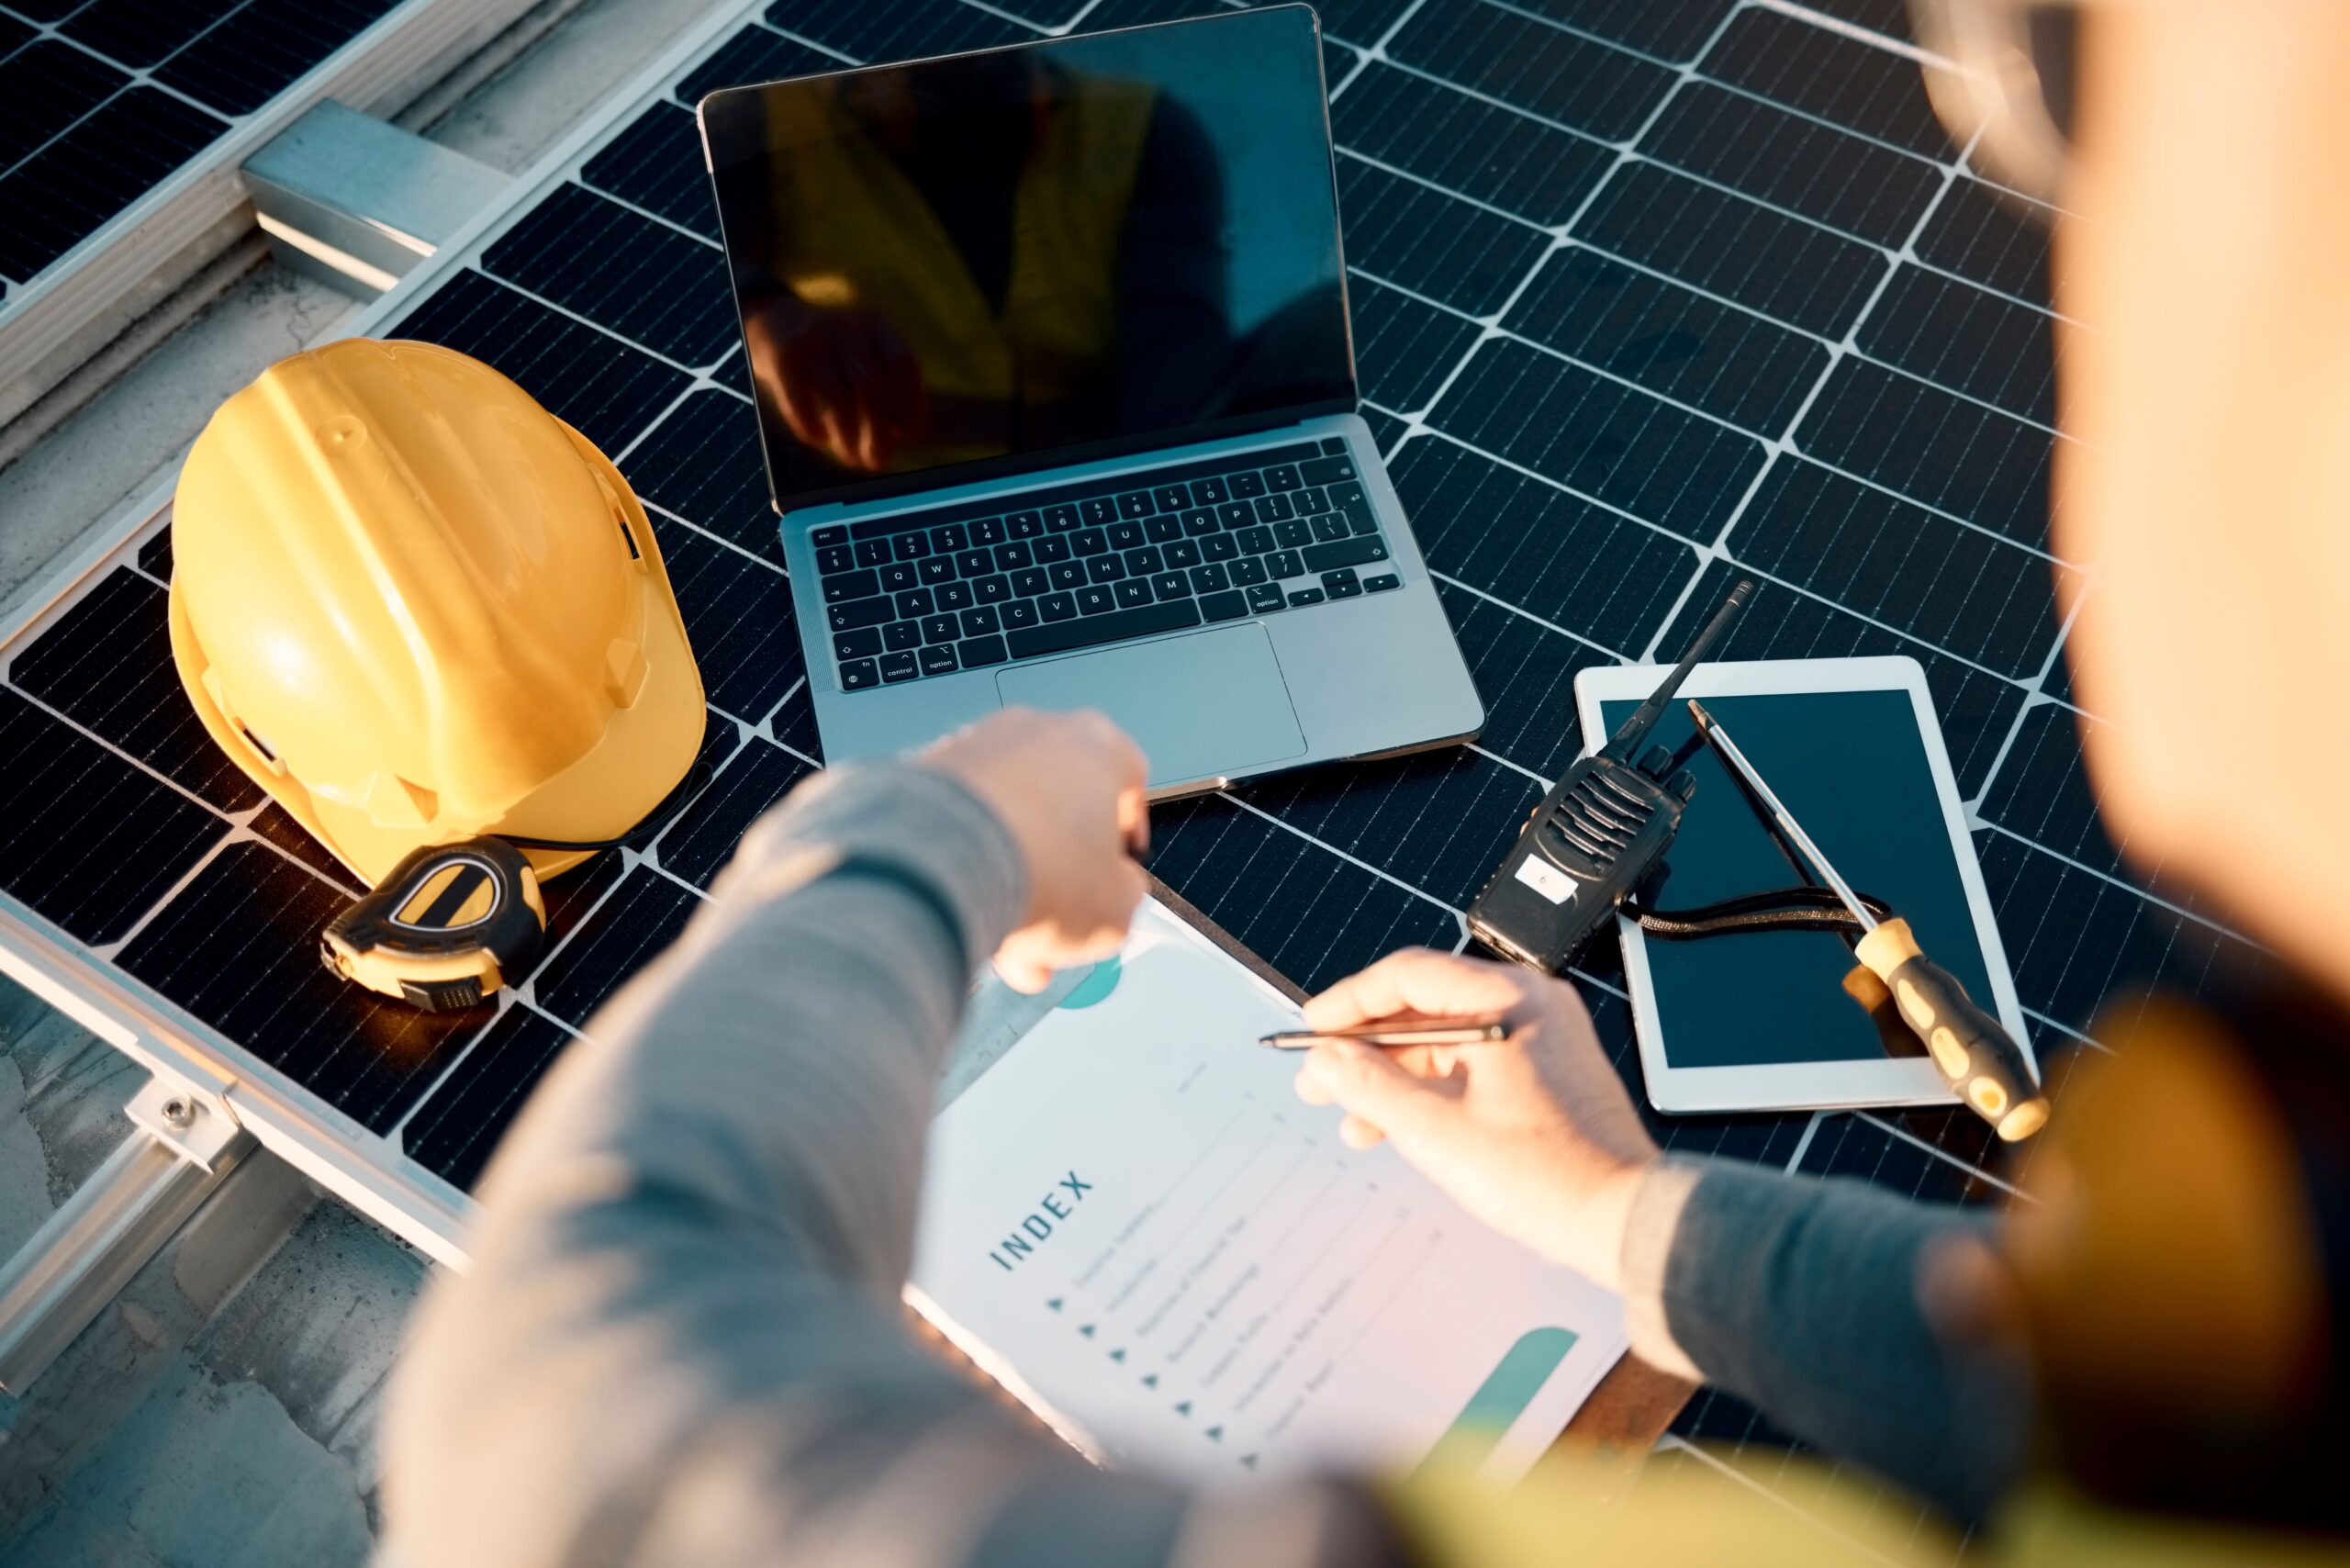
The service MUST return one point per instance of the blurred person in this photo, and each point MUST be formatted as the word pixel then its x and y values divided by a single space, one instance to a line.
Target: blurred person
pixel 680 1337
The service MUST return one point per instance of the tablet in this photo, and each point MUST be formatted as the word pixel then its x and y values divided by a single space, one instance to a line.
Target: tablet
pixel 1759 1020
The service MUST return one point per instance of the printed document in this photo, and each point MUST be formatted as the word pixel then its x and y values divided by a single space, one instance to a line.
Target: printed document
pixel 1131 1220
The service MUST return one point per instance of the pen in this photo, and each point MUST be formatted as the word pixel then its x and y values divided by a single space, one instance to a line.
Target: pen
pixel 1396 1036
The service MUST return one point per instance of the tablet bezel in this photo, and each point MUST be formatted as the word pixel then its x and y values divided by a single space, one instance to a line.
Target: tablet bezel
pixel 1803 1086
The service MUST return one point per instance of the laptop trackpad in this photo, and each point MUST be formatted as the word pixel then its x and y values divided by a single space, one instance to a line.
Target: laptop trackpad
pixel 1200 707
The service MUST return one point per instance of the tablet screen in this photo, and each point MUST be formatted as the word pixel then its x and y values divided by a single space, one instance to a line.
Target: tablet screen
pixel 1852 768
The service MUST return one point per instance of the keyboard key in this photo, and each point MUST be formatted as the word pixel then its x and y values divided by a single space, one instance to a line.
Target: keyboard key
pixel 1105 569
pixel 1381 583
pixel 1124 536
pixel 980 652
pixel 900 665
pixel 1334 445
pixel 1274 509
pixel 1208 492
pixel 1137 503
pixel 837 534
pixel 1285 563
pixel 1051 549
pixel 1266 598
pixel 1223 606
pixel 846 586
pixel 898 637
pixel 1360 521
pixel 1170 585
pixel 1069 575
pixel 1282 476
pixel 988 530
pixel 858 674
pixel 872 552
pixel 941 629
pixel 835 558
pixel 991 590
pixel 975 562
pixel 1293 534
pixel 1235 514
pixel 912 546
pixel 1169 616
pixel 1161 528
pixel 1182 553
pixel 1012 557
pixel 1352 553
pixel 1343 496
pixel 1171 497
pixel 1060 519
pixel 1030 583
pixel 1328 526
pixel 900 576
pixel 1307 501
pixel 934 570
pixel 1023 524
pixel 859 612
pixel 1209 578
pixel 1143 562
pixel 1056 606
pixel 1133 591
pixel 955 596
pixel 1305 596
pixel 1343 578
pixel 1090 541
pixel 1248 571
pixel 1095 600
pixel 1257 540
pixel 1099 511
pixel 938 659
pixel 980 622
pixel 862 643
pixel 1018 613
pixel 1325 470
pixel 950 537
pixel 1219 547
pixel 916 603
pixel 1244 486
pixel 1199 520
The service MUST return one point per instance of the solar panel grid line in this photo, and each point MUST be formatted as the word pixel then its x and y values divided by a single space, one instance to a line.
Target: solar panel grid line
pixel 1236 798
pixel 1973 1170
pixel 2167 905
pixel 1524 614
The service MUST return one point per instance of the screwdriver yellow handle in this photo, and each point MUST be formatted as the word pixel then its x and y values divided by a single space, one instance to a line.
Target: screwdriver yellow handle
pixel 1975 1056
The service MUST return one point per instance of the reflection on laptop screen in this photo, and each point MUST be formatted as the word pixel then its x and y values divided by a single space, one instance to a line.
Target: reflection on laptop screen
pixel 1066 247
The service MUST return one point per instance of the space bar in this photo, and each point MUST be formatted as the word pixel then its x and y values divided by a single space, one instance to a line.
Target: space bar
pixel 1060 636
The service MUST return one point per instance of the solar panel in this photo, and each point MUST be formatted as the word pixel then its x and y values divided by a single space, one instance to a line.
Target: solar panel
pixel 102 100
pixel 1645 296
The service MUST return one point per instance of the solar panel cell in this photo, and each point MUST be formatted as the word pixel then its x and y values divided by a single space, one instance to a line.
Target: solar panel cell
pixel 13 34
pixel 1677 32
pixel 703 841
pixel 57 198
pixel 1526 672
pixel 141 33
pixel 1982 233
pixel 1968 339
pixel 1714 357
pixel 702 462
pixel 640 917
pixel 1679 470
pixel 92 842
pixel 43 90
pixel 454 1131
pixel 1800 165
pixel 738 614
pixel 903 29
pixel 1403 346
pixel 1889 17
pixel 1358 21
pixel 1563 77
pixel 1437 821
pixel 1739 249
pixel 1950 453
pixel 1838 79
pixel 1418 238
pixel 1468 144
pixel 642 279
pixel 238 947
pixel 755 54
pixel 258 51
pixel 656 164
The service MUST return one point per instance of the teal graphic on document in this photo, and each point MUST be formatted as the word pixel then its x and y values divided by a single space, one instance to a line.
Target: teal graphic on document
pixel 1097 985
pixel 1503 1397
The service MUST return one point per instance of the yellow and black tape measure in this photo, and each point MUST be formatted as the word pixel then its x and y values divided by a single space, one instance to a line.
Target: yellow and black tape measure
pixel 445 928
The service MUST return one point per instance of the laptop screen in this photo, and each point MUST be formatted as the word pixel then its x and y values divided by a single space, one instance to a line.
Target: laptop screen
pixel 1057 251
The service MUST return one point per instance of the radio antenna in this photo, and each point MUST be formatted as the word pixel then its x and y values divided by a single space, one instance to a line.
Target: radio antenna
pixel 1624 744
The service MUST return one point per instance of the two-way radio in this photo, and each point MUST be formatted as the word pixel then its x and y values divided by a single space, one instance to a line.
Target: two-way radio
pixel 1597 836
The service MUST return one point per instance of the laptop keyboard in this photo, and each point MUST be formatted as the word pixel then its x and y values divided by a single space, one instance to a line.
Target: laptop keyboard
pixel 1024 576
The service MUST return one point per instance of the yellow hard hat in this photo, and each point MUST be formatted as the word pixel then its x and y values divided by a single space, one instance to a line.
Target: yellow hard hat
pixel 416 608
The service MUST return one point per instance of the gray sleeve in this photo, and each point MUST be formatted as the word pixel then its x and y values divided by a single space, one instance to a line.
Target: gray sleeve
pixel 680 1337
pixel 1801 1296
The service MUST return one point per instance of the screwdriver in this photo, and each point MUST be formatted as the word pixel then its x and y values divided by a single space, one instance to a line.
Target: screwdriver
pixel 1978 1059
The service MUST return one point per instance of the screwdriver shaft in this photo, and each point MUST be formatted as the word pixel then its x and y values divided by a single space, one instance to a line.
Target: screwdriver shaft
pixel 1720 740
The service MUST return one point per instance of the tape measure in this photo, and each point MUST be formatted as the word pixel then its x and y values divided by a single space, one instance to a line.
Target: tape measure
pixel 444 929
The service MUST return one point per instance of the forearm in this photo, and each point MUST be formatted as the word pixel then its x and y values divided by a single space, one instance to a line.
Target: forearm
pixel 1802 1297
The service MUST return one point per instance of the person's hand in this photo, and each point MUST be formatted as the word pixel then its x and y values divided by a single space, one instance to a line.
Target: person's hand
pixel 1534 1136
pixel 844 379
pixel 1068 788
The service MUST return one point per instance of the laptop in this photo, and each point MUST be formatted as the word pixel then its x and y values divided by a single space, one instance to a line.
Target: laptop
pixel 1056 389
